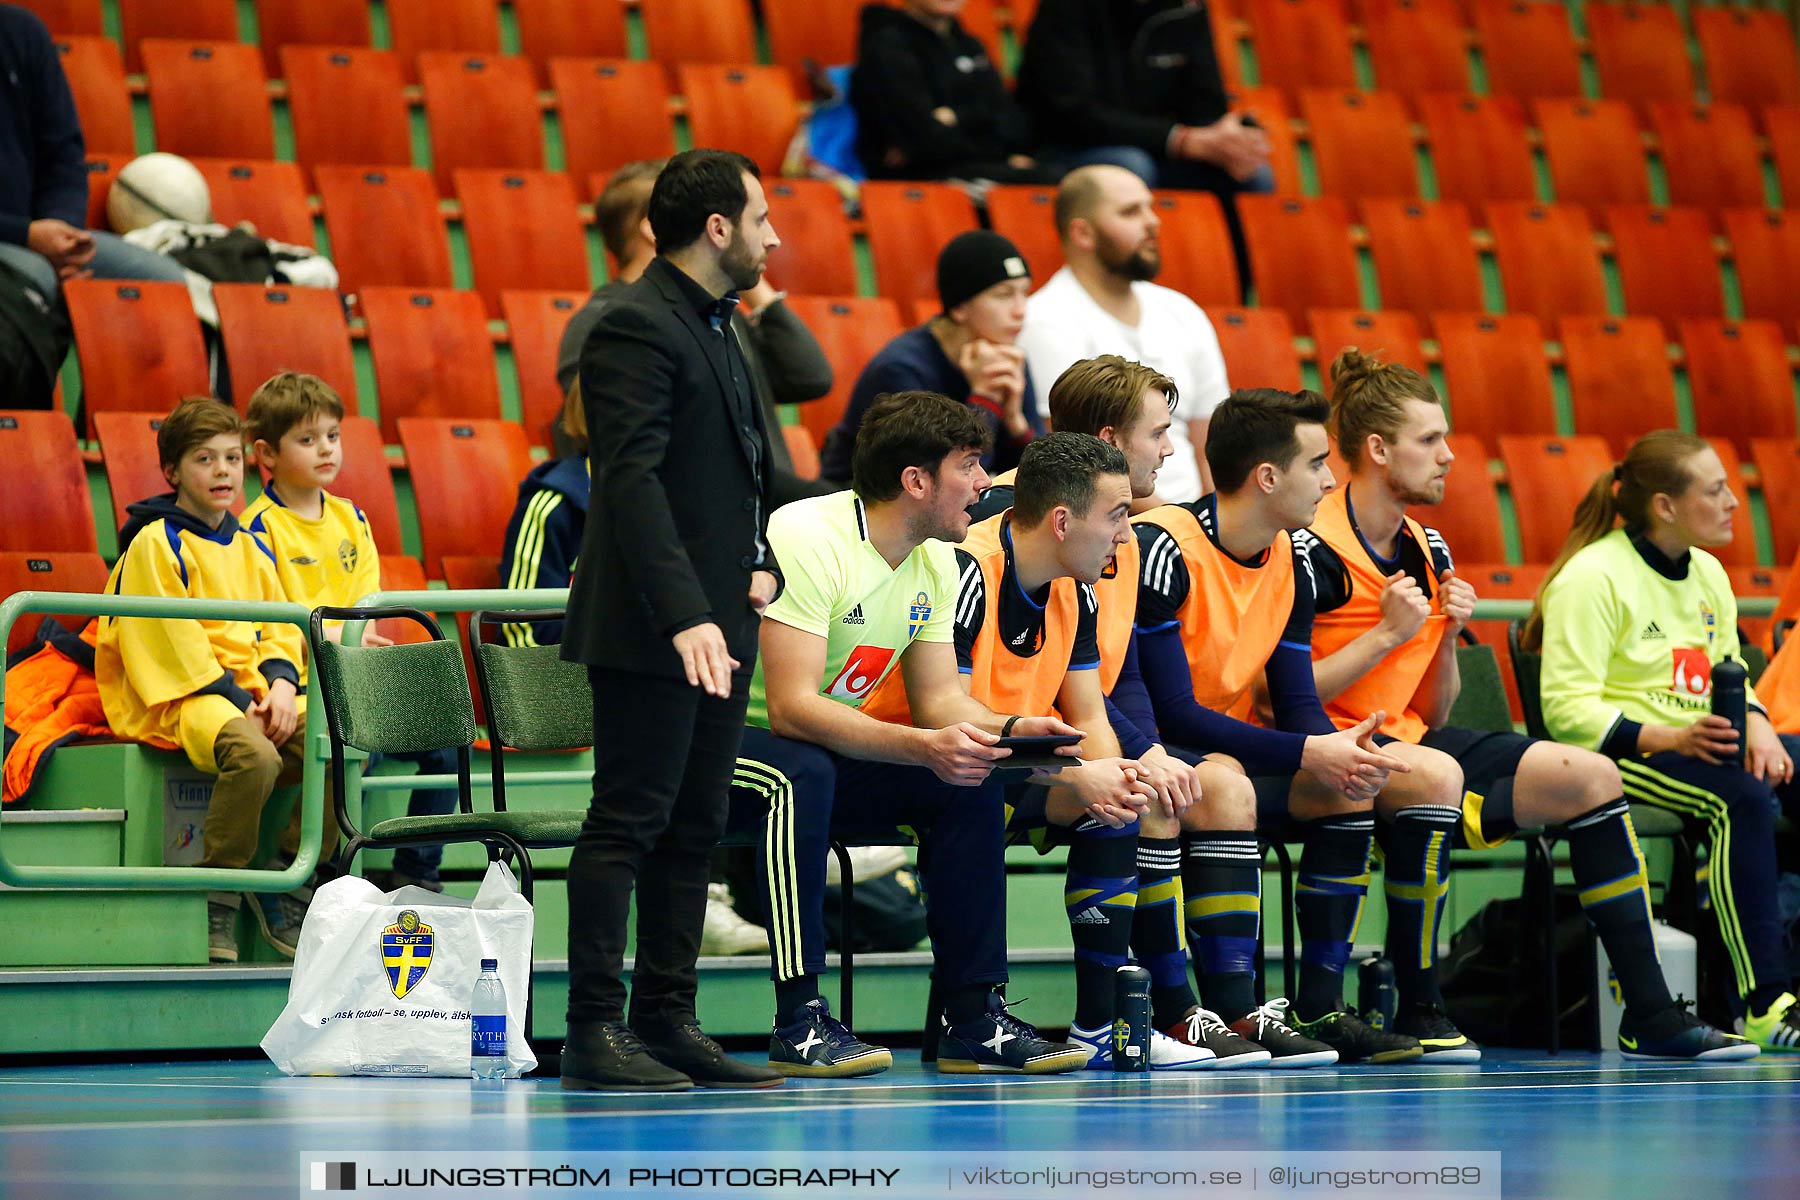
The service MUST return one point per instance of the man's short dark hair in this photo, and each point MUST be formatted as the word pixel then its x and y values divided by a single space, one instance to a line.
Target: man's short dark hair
pixel 911 429
pixel 692 187
pixel 1062 468
pixel 1256 426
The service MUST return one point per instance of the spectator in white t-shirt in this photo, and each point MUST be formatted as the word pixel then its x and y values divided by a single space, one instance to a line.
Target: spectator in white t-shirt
pixel 1102 302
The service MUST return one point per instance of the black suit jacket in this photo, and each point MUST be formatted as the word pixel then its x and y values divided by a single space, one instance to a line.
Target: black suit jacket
pixel 680 469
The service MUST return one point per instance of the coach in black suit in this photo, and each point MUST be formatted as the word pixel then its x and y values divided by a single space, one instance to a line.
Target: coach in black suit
pixel 664 608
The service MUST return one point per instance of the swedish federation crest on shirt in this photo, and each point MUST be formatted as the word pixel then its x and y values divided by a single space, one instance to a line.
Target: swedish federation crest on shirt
pixel 919 616
pixel 406 952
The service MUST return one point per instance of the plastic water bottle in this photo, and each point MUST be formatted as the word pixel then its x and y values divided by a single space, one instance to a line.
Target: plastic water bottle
pixel 1730 701
pixel 1131 1019
pixel 487 1024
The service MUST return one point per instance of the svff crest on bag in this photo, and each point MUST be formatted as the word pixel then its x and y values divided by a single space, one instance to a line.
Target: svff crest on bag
pixel 382 982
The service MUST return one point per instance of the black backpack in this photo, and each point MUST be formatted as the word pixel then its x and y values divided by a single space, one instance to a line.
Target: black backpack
pixel 1493 979
pixel 34 340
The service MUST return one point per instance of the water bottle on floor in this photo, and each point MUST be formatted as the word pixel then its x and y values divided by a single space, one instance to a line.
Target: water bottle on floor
pixel 487 1024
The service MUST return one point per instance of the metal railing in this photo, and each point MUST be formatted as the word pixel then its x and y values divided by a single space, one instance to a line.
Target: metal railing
pixel 317 757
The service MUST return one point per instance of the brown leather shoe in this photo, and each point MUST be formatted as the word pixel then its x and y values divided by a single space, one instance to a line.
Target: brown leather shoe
pixel 606 1056
pixel 687 1049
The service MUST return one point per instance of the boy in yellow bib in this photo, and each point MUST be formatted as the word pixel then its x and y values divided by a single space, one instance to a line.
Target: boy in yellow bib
pixel 225 692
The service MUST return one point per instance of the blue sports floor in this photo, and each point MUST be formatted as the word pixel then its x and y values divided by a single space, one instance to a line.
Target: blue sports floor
pixel 1579 1125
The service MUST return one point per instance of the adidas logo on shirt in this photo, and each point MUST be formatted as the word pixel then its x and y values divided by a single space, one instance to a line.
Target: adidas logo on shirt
pixel 1090 916
pixel 1652 633
pixel 854 616
pixel 1020 640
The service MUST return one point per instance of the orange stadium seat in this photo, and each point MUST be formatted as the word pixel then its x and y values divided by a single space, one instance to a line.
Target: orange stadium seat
pixel 708 31
pixel 468 572
pixel 365 480
pixel 1752 580
pixel 535 321
pixel 1778 464
pixel 818 254
pixel 133 467
pixel 1424 255
pixel 1390 336
pixel 315 23
pixel 182 20
pixel 1619 380
pixel 1362 143
pixel 1641 52
pixel 1025 215
pixel 851 332
pixel 908 224
pixel 47 507
pixel 457 27
pixel 1301 44
pixel 1740 380
pixel 1782 124
pixel 271 329
pixel 1709 153
pixel 805 31
pixel 433 357
pixel 102 104
pixel 524 231
pixel 189 86
pixel 1196 249
pixel 1765 245
pixel 1749 54
pixel 1258 347
pixel 269 195
pixel 69 18
pixel 1469 516
pixel 1741 550
pixel 1300 253
pixel 1497 581
pixel 101 171
pixel 1479 147
pixel 483 112
pixel 402 573
pixel 563 29
pixel 1595 151
pixel 1225 20
pixel 802 450
pixel 465 479
pixel 1548 476
pixel 1272 113
pixel 1495 374
pixel 613 112
pixel 347 106
pixel 1528 48
pixel 138 344
pixel 1548 264
pixel 1417 46
pixel 1667 268
pixel 39 571
pixel 750 109
pixel 384 227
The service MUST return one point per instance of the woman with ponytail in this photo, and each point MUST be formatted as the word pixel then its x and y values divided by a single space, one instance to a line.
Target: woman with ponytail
pixel 1630 622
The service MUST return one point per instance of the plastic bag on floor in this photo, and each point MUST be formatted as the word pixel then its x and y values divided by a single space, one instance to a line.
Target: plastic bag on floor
pixel 382 981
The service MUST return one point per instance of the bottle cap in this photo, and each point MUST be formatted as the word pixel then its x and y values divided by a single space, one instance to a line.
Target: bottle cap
pixel 490 964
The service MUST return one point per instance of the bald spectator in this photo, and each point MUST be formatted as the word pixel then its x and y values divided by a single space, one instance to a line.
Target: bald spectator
pixel 1102 302
pixel 786 363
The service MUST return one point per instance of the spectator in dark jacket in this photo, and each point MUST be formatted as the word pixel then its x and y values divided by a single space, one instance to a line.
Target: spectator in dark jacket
pixel 969 352
pixel 930 104
pixel 1136 83
pixel 43 172
pixel 787 365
